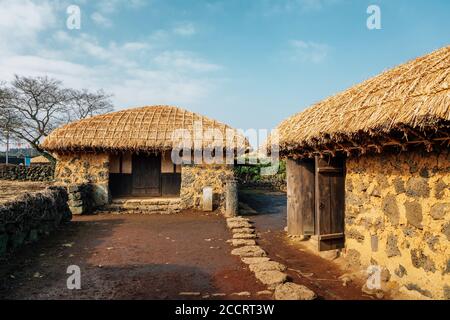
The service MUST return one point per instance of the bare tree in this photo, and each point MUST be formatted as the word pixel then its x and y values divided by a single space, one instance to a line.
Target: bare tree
pixel 8 121
pixel 39 105
pixel 88 104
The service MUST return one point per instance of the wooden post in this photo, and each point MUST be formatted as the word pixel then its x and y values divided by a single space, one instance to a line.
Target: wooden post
pixel 231 202
pixel 207 199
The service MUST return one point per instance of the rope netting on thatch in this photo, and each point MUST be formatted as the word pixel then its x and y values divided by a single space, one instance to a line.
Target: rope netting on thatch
pixel 415 95
pixel 147 129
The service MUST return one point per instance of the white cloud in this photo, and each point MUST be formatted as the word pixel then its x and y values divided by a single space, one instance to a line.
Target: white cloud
pixel 101 20
pixel 272 7
pixel 184 29
pixel 138 71
pixel 21 21
pixel 181 60
pixel 110 6
pixel 308 51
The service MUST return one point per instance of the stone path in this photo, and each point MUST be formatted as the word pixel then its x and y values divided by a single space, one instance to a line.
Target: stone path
pixel 268 272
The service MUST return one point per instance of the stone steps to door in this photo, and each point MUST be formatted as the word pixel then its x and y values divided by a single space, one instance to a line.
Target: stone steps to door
pixel 144 206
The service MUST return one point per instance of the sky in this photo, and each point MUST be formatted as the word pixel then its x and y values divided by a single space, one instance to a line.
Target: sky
pixel 248 63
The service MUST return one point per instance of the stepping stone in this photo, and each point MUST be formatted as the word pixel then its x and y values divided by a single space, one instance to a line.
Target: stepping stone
pixel 267 266
pixel 243 293
pixel 243 230
pixel 242 242
pixel 249 251
pixel 234 219
pixel 293 291
pixel 218 295
pixel 244 236
pixel 189 293
pixel 239 224
pixel 252 260
pixel 271 278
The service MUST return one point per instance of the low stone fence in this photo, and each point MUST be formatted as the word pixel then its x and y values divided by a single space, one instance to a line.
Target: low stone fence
pixel 275 182
pixel 31 216
pixel 81 198
pixel 21 172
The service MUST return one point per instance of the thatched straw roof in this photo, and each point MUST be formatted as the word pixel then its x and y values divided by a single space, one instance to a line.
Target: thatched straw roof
pixel 409 102
pixel 39 159
pixel 146 129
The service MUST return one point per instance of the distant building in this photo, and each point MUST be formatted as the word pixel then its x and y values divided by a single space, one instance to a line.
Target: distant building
pixel 12 160
pixel 39 160
pixel 127 154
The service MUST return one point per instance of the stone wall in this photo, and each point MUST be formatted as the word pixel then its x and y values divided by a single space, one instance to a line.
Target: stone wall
pixel 31 216
pixel 273 182
pixel 195 177
pixel 85 168
pixel 81 200
pixel 21 172
pixel 398 217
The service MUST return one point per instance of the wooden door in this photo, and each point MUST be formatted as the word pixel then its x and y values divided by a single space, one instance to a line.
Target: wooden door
pixel 146 175
pixel 330 202
pixel 300 196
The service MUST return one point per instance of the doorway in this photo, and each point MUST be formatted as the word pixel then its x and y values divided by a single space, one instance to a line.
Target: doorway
pixel 316 200
pixel 146 175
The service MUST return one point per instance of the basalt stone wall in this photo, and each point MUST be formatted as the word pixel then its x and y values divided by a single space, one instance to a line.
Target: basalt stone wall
pixel 196 177
pixel 398 217
pixel 85 168
pixel 32 216
pixel 272 182
pixel 81 198
pixel 21 172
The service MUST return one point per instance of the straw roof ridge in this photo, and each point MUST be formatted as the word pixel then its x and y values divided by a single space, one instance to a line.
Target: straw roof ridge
pixel 148 129
pixel 39 159
pixel 415 95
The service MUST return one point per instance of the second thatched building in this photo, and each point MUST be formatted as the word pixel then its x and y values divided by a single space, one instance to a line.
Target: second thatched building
pixel 368 171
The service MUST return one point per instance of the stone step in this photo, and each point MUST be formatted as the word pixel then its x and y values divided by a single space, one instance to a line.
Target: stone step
pixel 144 206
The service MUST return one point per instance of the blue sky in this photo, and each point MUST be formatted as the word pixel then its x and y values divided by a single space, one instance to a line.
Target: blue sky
pixel 249 63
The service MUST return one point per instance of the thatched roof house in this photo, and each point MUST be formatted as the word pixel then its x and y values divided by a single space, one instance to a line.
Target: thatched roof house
pixel 409 104
pixel 129 154
pixel 368 172
pixel 39 160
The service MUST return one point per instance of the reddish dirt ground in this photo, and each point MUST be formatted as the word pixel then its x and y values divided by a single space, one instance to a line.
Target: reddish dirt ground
pixel 159 256
pixel 131 257
pixel 304 267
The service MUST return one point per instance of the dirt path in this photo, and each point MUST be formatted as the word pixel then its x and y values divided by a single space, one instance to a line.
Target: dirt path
pixel 131 257
pixel 320 275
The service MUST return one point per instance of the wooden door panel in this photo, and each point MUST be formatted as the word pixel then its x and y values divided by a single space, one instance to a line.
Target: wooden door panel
pixel 330 205
pixel 300 194
pixel 146 175
pixel 170 184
